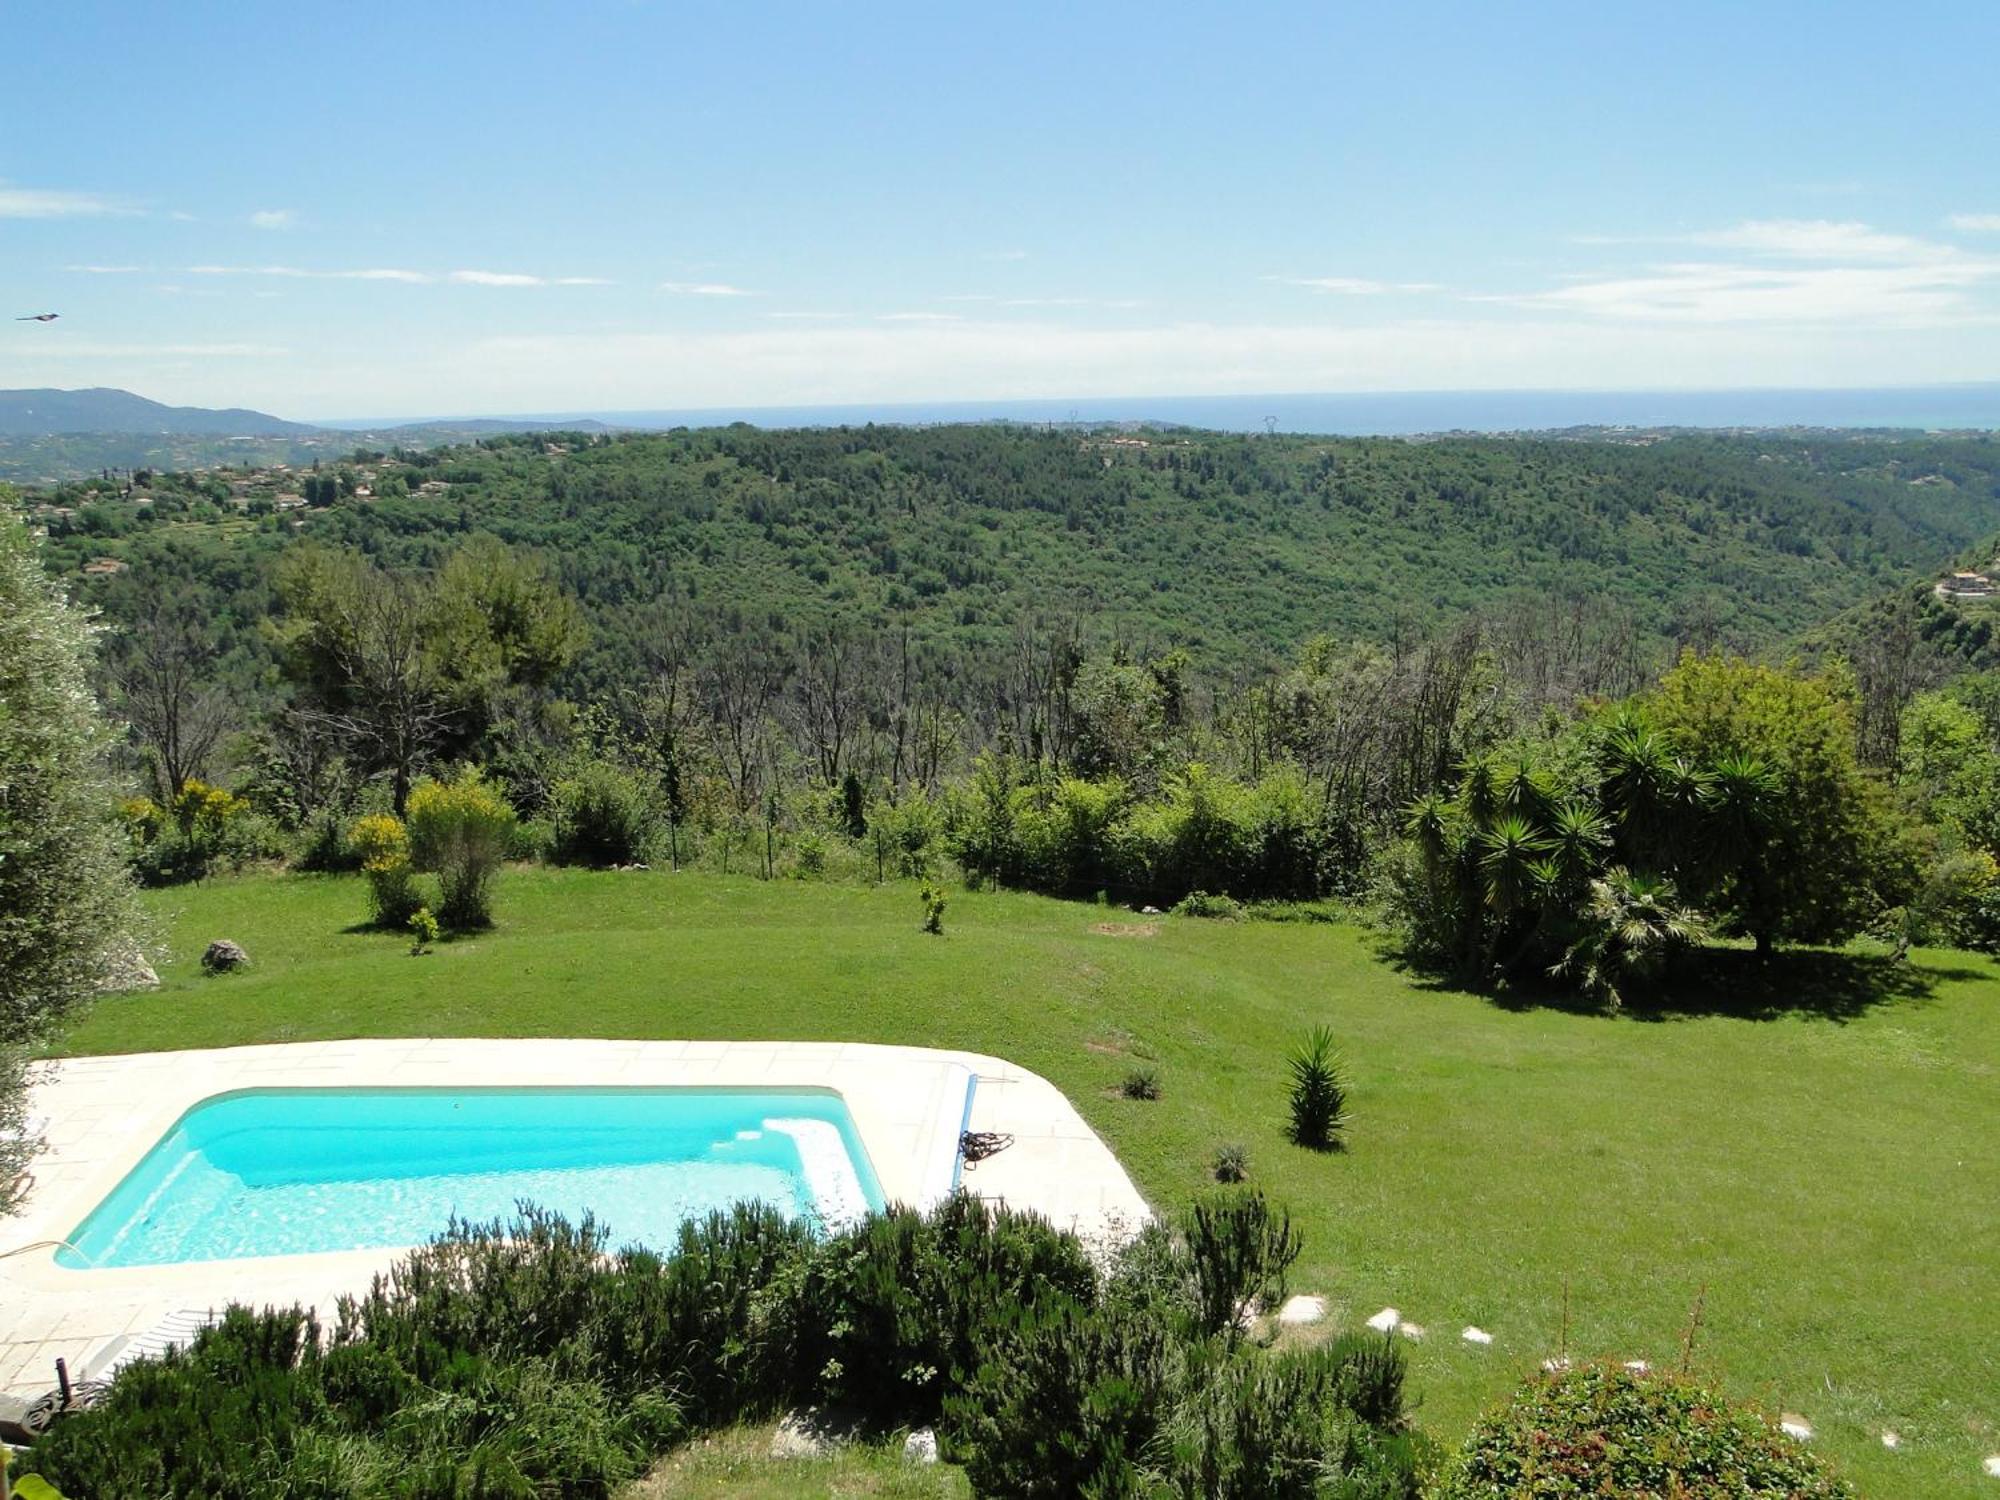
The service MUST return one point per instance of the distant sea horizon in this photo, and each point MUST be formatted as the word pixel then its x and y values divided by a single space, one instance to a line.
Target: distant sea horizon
pixel 1367 414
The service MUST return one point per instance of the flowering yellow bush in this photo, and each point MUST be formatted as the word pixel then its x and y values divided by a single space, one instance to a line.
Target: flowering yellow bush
pixel 379 841
pixel 460 829
pixel 382 845
pixel 143 819
pixel 204 811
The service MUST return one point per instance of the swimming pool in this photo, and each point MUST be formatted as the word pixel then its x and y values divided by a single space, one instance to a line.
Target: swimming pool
pixel 288 1171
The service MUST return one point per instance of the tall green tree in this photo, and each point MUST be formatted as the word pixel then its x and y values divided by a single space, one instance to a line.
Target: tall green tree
pixel 67 914
pixel 1797 842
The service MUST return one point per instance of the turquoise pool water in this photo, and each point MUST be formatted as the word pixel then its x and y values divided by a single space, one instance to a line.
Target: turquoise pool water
pixel 294 1171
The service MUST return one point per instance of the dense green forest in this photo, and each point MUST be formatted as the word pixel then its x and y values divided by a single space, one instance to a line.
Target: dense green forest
pixel 1144 664
pixel 1235 549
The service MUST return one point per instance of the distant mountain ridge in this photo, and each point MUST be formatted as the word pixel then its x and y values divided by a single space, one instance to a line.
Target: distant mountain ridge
pixel 48 435
pixel 51 413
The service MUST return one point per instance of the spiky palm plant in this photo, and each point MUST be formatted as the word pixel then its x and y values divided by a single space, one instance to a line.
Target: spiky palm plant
pixel 1629 927
pixel 1319 1093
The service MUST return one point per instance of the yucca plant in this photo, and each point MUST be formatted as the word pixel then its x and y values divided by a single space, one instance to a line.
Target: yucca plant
pixel 1319 1094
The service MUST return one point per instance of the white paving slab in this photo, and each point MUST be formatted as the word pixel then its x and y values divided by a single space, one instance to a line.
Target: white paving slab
pixel 104 1113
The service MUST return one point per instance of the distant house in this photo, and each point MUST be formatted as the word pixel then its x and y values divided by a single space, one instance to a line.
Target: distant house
pixel 290 502
pixel 101 566
pixel 433 487
pixel 1966 586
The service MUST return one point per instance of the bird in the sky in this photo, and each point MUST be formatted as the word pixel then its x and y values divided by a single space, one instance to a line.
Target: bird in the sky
pixel 39 318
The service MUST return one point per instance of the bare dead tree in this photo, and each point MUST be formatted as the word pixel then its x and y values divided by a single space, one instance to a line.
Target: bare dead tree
pixel 741 682
pixel 393 702
pixel 825 700
pixel 178 714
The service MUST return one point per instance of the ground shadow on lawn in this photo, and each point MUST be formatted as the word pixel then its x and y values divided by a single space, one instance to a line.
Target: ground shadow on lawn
pixel 1833 984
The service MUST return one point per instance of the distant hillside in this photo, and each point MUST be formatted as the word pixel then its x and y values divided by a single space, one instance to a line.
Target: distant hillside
pixel 1237 548
pixel 51 413
pixel 47 436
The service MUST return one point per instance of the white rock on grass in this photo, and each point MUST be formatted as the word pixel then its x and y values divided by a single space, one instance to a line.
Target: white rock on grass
pixel 1892 1440
pixel 1476 1336
pixel 1302 1310
pixel 1993 1466
pixel 799 1436
pixel 1638 1367
pixel 1555 1366
pixel 1386 1320
pixel 1411 1331
pixel 1792 1425
pixel 920 1447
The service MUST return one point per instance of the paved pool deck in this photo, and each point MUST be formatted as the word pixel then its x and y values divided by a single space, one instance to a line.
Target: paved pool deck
pixel 104 1113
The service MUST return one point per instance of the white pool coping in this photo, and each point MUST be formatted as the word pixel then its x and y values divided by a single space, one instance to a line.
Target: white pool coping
pixel 909 1105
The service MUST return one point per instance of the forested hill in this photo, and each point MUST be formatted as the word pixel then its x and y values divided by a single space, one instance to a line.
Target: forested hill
pixel 1237 548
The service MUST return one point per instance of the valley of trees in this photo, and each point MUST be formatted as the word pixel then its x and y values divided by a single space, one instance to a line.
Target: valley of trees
pixel 1441 675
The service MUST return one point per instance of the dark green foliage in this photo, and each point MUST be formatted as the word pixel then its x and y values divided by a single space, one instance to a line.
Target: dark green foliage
pixel 1604 1430
pixel 527 1359
pixel 599 817
pixel 934 902
pixel 1239 1250
pixel 1141 1083
pixel 1319 1093
pixel 1275 1427
pixel 894 1315
pixel 1066 1405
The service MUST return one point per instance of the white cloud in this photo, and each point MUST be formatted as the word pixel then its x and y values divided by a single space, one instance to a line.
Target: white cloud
pixel 85 351
pixel 274 218
pixel 1821 239
pixel 807 317
pixel 1976 223
pixel 1793 272
pixel 706 289
pixel 394 273
pixel 1354 286
pixel 299 273
pixel 56 203
pixel 105 270
pixel 920 317
pixel 495 278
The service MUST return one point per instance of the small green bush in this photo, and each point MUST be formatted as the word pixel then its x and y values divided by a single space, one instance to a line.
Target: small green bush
pixel 1319 1094
pixel 1201 904
pixel 1606 1430
pixel 1141 1083
pixel 1239 1250
pixel 1232 1164
pixel 599 817
pixel 933 900
pixel 423 931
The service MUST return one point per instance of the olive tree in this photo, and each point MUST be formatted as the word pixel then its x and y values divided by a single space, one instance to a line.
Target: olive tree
pixel 67 912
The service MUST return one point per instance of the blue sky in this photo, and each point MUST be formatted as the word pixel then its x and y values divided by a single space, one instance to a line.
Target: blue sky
pixel 372 210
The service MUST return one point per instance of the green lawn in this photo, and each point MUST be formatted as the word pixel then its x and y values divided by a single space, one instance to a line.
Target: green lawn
pixel 1815 1146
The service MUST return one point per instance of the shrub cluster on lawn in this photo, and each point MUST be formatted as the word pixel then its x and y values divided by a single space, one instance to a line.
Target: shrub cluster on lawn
pixel 528 1359
pixel 1609 1430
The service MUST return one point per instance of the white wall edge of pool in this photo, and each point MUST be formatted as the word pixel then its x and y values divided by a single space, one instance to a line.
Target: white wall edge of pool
pixel 104 1113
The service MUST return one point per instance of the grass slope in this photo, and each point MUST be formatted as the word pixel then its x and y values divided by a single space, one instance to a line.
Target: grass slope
pixel 1818 1154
